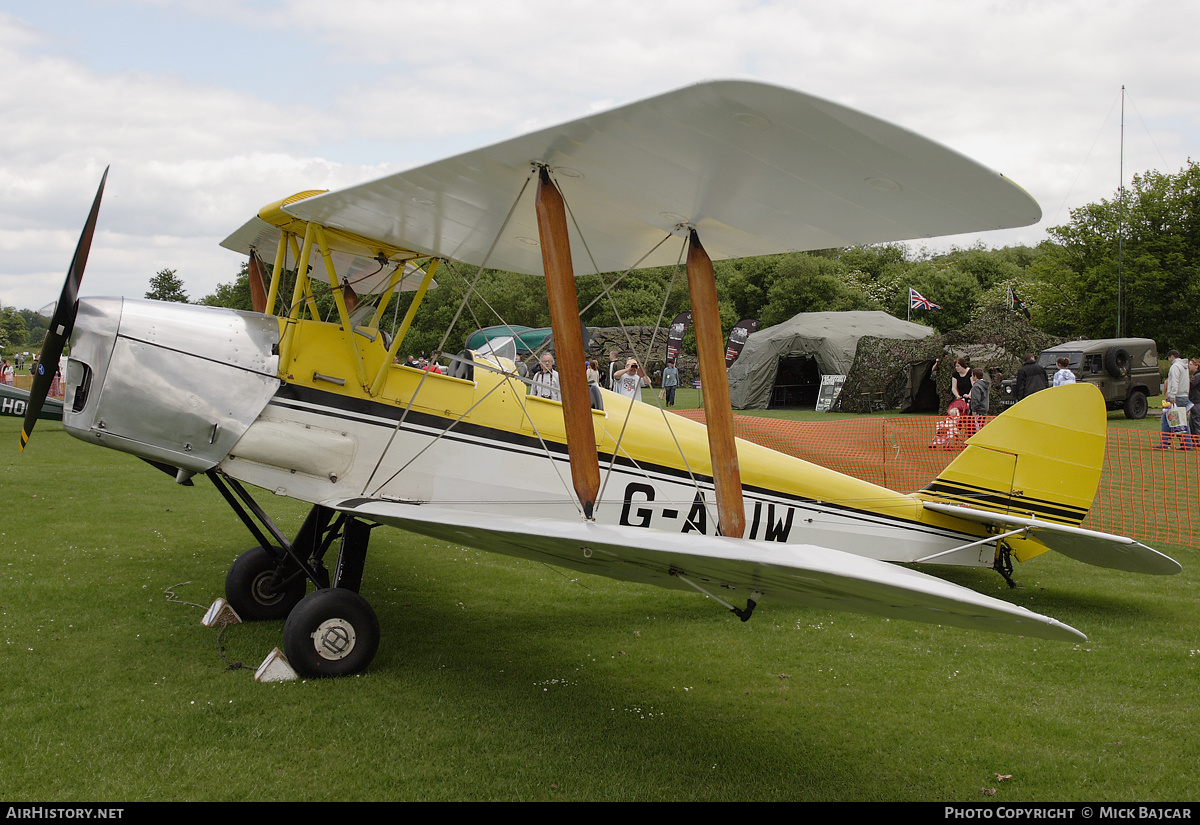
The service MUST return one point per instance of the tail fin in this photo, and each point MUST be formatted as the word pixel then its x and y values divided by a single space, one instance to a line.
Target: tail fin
pixel 1041 458
pixel 1038 466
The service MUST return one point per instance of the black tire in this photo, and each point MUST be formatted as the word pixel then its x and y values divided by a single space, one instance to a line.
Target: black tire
pixel 1136 405
pixel 1116 361
pixel 250 588
pixel 332 632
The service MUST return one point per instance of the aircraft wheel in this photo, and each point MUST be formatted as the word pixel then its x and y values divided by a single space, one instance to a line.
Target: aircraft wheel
pixel 332 632
pixel 251 590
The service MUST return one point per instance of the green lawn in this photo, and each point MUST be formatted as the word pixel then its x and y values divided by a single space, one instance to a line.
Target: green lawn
pixel 502 679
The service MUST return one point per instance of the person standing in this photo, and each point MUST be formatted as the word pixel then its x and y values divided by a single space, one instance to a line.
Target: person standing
pixel 1064 374
pixel 980 393
pixel 629 381
pixel 960 382
pixel 1175 395
pixel 670 382
pixel 613 366
pixel 1194 402
pixel 1030 378
pixel 545 379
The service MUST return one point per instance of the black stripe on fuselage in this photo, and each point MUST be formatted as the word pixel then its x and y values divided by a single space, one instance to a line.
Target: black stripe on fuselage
pixel 365 411
pixel 972 494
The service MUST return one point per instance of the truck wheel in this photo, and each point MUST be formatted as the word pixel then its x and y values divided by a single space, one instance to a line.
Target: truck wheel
pixel 1136 405
pixel 1116 362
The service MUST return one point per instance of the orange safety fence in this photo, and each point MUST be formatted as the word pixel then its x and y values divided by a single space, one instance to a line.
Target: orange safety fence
pixel 1145 493
pixel 25 382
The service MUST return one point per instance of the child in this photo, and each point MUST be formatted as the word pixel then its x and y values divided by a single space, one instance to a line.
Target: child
pixel 946 433
pixel 1064 374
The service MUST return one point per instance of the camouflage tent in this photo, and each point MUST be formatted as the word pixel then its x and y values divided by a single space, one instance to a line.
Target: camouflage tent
pixel 824 342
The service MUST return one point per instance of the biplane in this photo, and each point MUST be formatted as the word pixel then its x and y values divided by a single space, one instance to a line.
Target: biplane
pixel 320 409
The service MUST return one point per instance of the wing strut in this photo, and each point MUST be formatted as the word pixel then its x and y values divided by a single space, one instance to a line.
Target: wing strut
pixel 718 412
pixel 568 340
pixel 257 277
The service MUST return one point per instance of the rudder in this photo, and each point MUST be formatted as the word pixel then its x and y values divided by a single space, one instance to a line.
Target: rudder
pixel 1040 458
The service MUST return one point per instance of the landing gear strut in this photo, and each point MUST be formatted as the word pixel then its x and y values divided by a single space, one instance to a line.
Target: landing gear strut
pixel 1003 563
pixel 332 631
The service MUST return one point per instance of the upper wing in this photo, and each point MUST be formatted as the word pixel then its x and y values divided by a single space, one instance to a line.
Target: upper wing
pixel 757 169
pixel 354 261
pixel 1090 546
pixel 799 574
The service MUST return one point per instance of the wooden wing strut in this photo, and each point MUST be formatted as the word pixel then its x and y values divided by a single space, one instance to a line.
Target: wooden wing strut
pixel 718 412
pixel 568 341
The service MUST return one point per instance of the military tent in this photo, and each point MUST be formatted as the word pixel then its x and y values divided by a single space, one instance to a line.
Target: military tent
pixel 781 366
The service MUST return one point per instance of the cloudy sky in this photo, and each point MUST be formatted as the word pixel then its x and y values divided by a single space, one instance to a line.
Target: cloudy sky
pixel 209 109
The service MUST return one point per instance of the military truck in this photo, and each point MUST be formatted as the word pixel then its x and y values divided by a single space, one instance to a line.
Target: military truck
pixel 1125 370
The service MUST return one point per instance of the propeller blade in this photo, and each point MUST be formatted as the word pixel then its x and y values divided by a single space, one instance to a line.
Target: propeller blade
pixel 62 323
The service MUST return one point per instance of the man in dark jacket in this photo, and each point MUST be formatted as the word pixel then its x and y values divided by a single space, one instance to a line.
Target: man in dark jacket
pixel 1030 378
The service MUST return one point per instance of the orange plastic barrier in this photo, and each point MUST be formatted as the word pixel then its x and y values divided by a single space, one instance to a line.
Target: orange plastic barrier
pixel 25 382
pixel 1144 493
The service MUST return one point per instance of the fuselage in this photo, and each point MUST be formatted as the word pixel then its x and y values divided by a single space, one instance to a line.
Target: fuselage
pixel 201 388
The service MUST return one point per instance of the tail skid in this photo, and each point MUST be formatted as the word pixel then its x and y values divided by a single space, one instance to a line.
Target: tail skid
pixel 1038 466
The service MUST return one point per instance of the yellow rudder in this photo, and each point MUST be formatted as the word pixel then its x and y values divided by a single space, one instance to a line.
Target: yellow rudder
pixel 1041 458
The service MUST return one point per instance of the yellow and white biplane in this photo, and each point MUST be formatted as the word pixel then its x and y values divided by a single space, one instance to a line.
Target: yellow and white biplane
pixel 321 410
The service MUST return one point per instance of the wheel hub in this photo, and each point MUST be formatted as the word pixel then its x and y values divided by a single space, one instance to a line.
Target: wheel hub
pixel 265 590
pixel 334 639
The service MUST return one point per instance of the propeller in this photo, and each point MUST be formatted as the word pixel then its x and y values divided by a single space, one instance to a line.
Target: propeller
pixel 62 323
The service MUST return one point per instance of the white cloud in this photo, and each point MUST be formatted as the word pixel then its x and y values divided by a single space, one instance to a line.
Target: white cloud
pixel 207 109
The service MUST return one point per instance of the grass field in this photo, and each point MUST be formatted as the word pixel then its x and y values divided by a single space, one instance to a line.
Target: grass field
pixel 499 679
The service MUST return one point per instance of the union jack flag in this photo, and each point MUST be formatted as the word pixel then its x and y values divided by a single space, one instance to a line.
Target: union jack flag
pixel 918 301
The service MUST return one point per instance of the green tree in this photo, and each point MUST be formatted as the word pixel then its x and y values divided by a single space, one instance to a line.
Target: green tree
pixel 1157 221
pixel 13 328
pixel 167 286
pixel 234 295
pixel 37 326
pixel 956 292
pixel 807 283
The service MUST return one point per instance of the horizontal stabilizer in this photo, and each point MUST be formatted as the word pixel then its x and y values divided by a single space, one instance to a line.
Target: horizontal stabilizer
pixel 1100 549
pixel 797 574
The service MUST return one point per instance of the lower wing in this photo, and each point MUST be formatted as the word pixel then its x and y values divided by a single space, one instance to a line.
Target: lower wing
pixel 796 574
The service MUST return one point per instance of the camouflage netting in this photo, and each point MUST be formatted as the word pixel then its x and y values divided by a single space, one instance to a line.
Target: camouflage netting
pixel 880 377
pixel 886 372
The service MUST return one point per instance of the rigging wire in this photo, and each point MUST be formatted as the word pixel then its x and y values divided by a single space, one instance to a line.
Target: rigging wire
pixel 445 337
pixel 512 381
pixel 650 347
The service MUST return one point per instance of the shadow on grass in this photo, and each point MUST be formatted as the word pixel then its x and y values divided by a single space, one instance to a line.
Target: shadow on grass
pixel 1070 591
